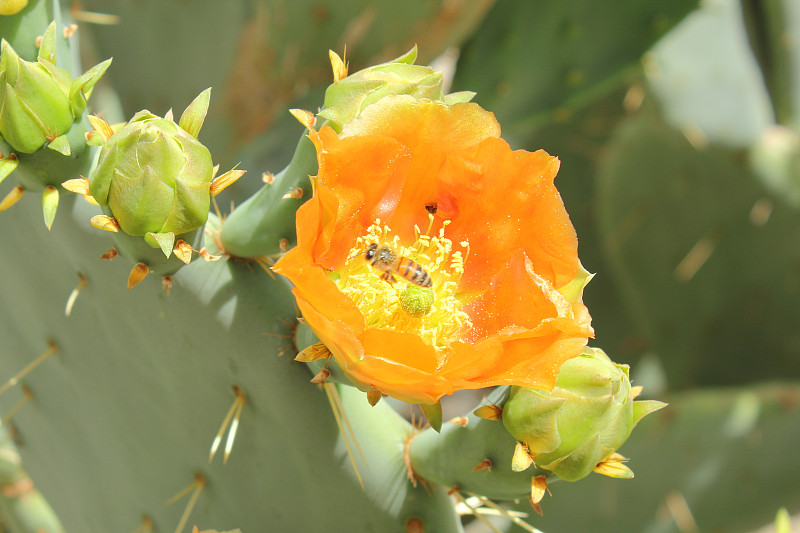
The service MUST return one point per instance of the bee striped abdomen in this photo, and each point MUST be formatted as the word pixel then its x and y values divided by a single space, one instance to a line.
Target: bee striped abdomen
pixel 389 262
pixel 413 272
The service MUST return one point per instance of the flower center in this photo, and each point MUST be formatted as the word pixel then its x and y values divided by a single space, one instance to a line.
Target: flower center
pixel 412 289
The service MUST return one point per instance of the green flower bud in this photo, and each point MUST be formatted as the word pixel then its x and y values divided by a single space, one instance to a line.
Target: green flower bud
pixel 39 101
pixel 580 423
pixel 154 177
pixel 346 98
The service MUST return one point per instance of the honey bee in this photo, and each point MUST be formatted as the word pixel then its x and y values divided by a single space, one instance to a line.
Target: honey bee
pixel 390 262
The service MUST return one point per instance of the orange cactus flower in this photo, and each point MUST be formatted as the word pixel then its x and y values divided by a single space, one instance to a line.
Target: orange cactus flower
pixel 473 278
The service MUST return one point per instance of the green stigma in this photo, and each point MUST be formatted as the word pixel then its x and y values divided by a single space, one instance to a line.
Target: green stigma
pixel 417 301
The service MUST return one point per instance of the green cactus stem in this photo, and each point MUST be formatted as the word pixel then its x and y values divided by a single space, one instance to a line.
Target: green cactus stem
pixel 51 167
pixel 450 458
pixel 767 23
pixel 22 506
pixel 381 434
pixel 257 226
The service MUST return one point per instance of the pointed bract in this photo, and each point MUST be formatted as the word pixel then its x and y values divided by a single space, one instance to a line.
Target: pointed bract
pixel 642 408
pixel 7 165
pixel 49 205
pixel 165 241
pixel 47 50
pixel 338 65
pixel 77 185
pixel 433 413
pixel 522 460
pixel 225 180
pixel 183 251
pixel 306 118
pixel 105 222
pixel 489 412
pixel 614 466
pixel 460 97
pixel 101 126
pixel 138 273
pixel 82 86
pixel 61 145
pixel 538 488
pixel 11 198
pixel 195 113
pixel 409 58
pixel 312 353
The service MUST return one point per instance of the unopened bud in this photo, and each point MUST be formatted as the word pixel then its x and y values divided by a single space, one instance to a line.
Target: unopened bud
pixel 580 423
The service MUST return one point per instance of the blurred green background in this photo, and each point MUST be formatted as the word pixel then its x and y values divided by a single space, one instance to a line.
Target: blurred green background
pixel 679 174
pixel 677 127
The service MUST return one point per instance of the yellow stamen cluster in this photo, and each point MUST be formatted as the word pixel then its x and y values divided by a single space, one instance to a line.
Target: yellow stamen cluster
pixel 380 301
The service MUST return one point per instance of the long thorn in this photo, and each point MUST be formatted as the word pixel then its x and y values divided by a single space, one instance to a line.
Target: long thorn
pixel 74 294
pixel 194 488
pixel 28 396
pixel 475 513
pixel 338 401
pixel 327 387
pixel 33 364
pixel 234 429
pixel 514 516
pixel 183 492
pixel 216 209
pixel 93 17
pixel 237 403
pixel 265 265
